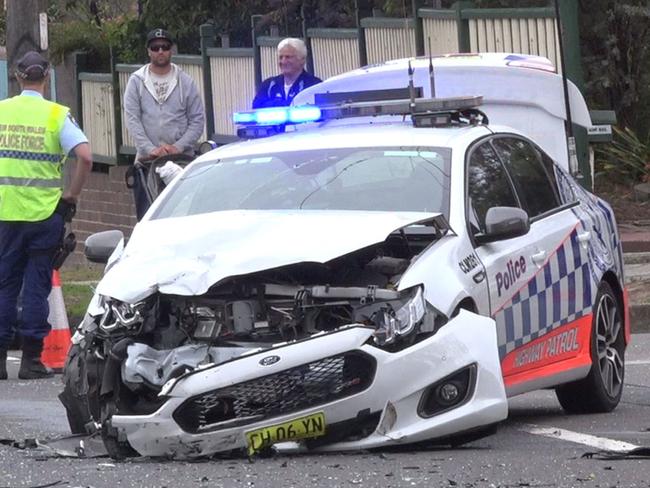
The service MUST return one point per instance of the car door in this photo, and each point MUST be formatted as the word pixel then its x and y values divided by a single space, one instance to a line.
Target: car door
pixel 539 317
pixel 508 263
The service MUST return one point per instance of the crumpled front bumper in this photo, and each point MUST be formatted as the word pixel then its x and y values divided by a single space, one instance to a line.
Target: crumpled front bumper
pixel 400 380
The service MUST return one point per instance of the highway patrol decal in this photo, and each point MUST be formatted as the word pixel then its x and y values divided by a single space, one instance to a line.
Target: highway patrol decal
pixel 569 342
pixel 555 345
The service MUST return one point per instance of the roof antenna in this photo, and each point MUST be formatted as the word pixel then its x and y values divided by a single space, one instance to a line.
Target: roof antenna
pixel 568 124
pixel 432 81
pixel 411 89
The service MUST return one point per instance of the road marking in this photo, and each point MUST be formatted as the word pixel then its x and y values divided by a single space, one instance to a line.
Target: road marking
pixel 570 436
pixel 634 363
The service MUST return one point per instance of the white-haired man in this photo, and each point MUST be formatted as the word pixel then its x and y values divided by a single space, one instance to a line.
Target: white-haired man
pixel 278 91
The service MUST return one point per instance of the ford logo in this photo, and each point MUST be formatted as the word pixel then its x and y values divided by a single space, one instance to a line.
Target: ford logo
pixel 269 360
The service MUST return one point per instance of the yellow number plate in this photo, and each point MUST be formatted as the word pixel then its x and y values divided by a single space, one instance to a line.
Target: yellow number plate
pixel 300 428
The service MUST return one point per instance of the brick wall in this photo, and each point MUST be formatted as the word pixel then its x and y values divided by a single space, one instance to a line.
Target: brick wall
pixel 106 203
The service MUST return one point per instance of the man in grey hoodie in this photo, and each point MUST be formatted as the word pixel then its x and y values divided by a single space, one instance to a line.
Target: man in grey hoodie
pixel 163 107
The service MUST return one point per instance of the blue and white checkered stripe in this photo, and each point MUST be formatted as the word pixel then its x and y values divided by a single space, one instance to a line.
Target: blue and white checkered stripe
pixel 31 156
pixel 559 293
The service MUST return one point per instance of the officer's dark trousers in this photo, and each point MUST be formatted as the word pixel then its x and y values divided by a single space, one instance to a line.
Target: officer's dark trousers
pixel 26 250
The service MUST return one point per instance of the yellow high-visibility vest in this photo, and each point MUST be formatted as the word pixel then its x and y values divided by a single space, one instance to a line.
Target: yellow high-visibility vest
pixel 31 158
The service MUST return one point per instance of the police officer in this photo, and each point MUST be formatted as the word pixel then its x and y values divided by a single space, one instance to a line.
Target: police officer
pixel 36 136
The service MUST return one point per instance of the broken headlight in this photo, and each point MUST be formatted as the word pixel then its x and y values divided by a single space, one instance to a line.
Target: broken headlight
pixel 121 315
pixel 401 320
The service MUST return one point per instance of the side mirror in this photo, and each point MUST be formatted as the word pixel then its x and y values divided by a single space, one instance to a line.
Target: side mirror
pixel 100 246
pixel 503 223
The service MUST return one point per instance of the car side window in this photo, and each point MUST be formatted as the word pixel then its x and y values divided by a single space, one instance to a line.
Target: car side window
pixel 536 188
pixel 488 186
pixel 564 183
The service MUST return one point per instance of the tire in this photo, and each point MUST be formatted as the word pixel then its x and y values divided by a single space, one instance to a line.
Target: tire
pixel 601 390
pixel 74 397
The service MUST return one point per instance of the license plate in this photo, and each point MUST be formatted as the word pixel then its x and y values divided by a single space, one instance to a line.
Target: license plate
pixel 306 427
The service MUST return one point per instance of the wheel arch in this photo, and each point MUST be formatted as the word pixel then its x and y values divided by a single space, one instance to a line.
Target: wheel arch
pixel 613 281
pixel 466 303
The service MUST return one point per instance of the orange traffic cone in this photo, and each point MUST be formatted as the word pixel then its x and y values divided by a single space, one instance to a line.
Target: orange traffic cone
pixel 57 342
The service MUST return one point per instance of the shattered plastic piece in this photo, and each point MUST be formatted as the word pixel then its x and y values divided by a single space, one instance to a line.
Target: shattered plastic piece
pixel 76 446
pixel 636 453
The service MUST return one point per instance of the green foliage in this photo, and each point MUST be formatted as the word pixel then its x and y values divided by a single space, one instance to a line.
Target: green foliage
pixel 627 158
pixel 616 58
pixel 119 34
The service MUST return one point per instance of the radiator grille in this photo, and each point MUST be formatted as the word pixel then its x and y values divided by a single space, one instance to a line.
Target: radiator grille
pixel 294 389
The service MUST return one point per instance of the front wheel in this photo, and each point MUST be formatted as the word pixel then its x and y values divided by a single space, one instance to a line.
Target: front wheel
pixel 81 389
pixel 601 390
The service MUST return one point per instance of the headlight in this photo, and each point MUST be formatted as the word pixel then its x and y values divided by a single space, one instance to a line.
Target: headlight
pixel 392 323
pixel 119 314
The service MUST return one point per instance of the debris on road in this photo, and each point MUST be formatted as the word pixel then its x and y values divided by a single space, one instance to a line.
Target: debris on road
pixel 636 453
pixel 75 446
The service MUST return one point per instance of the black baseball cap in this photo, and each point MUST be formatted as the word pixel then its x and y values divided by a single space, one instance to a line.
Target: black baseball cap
pixel 159 34
pixel 32 67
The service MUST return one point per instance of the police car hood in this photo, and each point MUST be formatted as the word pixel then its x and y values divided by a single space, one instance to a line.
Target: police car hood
pixel 187 255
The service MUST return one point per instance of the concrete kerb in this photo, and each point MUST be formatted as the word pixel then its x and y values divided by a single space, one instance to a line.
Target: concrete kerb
pixel 637 270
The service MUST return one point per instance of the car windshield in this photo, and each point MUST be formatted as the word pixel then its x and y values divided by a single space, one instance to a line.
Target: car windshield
pixel 389 179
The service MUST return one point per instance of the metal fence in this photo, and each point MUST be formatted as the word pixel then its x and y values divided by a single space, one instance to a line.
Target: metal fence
pixel 388 39
pixel 501 30
pixel 98 115
pixel 227 77
pixel 334 51
pixel 233 84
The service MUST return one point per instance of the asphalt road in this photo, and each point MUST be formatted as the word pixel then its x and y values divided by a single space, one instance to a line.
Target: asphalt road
pixel 538 446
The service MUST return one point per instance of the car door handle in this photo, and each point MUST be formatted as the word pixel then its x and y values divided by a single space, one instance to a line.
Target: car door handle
pixel 583 237
pixel 539 257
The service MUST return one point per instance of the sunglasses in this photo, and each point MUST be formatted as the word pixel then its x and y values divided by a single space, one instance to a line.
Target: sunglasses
pixel 159 47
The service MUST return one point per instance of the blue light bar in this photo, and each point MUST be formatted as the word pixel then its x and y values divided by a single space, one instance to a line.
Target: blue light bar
pixel 243 117
pixel 304 113
pixel 271 116
pixel 278 115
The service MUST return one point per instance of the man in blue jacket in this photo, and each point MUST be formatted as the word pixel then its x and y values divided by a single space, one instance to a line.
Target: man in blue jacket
pixel 278 91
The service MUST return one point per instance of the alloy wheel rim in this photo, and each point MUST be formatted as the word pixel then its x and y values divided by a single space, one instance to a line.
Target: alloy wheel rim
pixel 610 361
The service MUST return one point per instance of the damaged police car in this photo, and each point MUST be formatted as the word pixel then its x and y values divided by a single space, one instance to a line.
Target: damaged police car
pixel 388 269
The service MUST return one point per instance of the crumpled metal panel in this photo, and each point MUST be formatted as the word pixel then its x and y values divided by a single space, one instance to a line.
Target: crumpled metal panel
pixel 186 256
pixel 145 363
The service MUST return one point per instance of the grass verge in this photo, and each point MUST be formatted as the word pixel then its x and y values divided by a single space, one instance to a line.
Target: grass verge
pixel 77 285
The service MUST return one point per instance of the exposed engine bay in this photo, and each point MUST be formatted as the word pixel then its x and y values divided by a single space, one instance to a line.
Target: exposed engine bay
pixel 122 358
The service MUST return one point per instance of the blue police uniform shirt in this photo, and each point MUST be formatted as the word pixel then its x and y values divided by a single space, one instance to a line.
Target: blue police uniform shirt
pixel 71 135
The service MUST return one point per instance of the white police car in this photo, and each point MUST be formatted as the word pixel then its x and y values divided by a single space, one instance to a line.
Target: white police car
pixel 389 273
